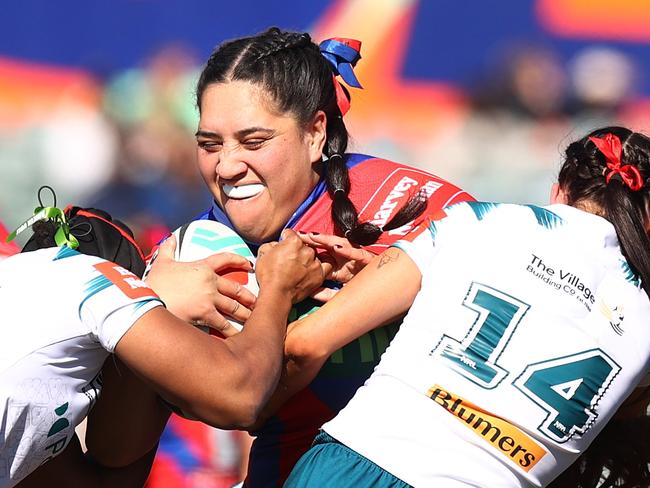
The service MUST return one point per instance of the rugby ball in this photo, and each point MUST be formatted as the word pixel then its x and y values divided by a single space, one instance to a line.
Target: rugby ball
pixel 202 238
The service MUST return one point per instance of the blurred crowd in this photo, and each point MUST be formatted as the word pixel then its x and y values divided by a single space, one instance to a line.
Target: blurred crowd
pixel 131 151
pixel 520 110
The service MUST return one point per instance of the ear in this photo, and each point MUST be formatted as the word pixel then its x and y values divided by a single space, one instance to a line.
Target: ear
pixel 316 134
pixel 557 194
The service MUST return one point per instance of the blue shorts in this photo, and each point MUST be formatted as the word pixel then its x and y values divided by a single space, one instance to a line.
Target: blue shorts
pixel 331 464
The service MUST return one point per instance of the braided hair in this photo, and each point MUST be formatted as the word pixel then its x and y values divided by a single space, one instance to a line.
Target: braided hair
pixel 620 455
pixel 292 71
pixel 583 178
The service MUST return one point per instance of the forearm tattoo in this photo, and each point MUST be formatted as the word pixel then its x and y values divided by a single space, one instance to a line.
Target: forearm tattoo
pixel 387 257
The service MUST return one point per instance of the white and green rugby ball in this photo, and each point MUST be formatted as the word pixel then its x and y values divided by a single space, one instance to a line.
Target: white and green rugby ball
pixel 202 238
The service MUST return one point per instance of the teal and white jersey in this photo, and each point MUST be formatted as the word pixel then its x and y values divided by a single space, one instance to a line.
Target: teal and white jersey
pixel 529 330
pixel 62 314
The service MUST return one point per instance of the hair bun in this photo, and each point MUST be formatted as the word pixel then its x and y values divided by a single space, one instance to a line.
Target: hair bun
pixel 98 235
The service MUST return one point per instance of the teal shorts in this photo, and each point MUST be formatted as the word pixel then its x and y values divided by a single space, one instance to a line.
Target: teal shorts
pixel 331 464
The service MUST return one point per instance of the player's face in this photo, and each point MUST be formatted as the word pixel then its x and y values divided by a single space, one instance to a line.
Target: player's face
pixel 259 164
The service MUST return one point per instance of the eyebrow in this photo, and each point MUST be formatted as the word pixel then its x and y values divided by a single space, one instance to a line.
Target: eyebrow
pixel 239 134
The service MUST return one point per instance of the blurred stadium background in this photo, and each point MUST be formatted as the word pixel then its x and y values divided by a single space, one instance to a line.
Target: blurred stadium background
pixel 96 100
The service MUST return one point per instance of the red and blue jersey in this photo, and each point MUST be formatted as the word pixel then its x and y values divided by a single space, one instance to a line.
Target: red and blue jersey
pixel 379 188
pixel 192 454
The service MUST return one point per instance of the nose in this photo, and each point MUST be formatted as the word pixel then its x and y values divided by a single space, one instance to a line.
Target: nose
pixel 230 165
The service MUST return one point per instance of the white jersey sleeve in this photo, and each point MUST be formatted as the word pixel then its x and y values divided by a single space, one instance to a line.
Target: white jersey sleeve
pixel 63 313
pixel 113 299
pixel 422 245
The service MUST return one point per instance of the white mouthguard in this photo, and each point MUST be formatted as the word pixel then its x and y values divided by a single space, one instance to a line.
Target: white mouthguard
pixel 242 191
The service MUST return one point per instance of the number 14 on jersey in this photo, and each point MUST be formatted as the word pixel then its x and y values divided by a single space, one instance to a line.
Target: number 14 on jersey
pixel 567 388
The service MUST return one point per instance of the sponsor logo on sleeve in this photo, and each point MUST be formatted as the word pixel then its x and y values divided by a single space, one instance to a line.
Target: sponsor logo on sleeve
pixel 394 192
pixel 132 286
pixel 516 446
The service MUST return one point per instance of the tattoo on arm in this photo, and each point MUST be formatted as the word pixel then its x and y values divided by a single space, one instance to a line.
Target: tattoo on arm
pixel 389 256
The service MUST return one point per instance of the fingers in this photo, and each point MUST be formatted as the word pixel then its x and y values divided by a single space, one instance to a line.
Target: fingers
pixel 263 249
pixel 353 254
pixel 167 248
pixel 218 315
pixel 220 261
pixel 341 260
pixel 290 243
pixel 327 265
pixel 324 294
pixel 340 275
pixel 290 264
pixel 289 237
pixel 288 234
pixel 218 322
pixel 232 308
pixel 235 291
pixel 338 246
pixel 311 280
pixel 326 241
pixel 308 256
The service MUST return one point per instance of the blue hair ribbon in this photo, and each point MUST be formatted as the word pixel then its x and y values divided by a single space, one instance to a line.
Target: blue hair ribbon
pixel 343 55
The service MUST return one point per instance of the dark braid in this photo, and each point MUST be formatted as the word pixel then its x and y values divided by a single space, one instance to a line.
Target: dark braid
pixel 291 69
pixel 279 43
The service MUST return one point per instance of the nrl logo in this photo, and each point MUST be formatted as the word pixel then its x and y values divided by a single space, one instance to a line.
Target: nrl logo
pixel 614 315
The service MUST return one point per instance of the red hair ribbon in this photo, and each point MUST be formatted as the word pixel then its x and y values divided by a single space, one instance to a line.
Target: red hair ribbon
pixel 610 146
pixel 342 99
pixel 342 54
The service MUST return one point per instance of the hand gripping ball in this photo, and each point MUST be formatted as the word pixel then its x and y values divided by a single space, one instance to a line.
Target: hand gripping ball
pixel 202 238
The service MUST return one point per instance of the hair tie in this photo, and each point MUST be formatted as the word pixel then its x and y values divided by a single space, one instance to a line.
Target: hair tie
pixel 346 234
pixel 336 190
pixel 611 147
pixel 62 236
pixel 342 55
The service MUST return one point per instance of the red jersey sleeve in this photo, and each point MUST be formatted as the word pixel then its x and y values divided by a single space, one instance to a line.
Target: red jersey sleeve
pixel 379 189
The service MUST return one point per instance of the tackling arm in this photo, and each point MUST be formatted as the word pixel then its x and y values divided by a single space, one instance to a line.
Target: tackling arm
pixel 225 383
pixel 379 294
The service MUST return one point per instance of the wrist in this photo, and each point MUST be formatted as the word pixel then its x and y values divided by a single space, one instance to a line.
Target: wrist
pixel 277 297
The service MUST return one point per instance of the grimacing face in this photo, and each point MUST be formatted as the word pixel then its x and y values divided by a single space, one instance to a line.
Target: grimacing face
pixel 258 164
